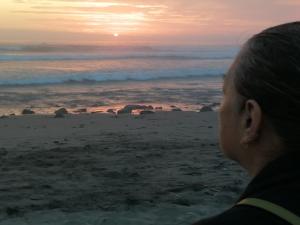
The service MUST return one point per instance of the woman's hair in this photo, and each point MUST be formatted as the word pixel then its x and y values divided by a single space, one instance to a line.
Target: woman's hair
pixel 268 70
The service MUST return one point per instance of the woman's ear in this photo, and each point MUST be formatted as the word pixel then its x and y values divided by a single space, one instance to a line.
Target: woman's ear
pixel 251 122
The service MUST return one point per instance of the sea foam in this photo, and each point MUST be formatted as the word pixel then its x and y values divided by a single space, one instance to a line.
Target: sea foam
pixel 48 64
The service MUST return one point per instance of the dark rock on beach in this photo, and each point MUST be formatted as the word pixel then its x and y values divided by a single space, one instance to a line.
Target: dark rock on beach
pixel 61 110
pixel 150 107
pixel 206 109
pixel 60 113
pixel 27 111
pixel 130 108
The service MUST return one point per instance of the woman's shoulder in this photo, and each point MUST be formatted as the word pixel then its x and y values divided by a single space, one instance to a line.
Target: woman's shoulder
pixel 245 215
pixel 278 183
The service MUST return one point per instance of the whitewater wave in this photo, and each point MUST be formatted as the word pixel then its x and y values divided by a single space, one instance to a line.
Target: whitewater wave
pixel 95 78
pixel 65 57
pixel 39 65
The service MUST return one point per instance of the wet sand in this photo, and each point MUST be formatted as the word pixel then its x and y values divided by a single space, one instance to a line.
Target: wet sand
pixel 163 168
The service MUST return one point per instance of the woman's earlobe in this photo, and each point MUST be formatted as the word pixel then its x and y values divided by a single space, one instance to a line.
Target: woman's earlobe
pixel 248 138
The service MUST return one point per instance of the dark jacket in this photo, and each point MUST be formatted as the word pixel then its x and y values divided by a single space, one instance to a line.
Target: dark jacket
pixel 278 182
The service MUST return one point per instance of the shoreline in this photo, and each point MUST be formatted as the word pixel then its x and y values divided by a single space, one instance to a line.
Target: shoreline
pixel 113 109
pixel 191 94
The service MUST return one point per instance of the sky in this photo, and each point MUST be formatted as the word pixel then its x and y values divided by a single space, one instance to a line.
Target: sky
pixel 204 22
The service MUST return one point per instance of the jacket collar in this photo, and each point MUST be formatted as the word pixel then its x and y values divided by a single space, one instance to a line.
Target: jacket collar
pixel 283 170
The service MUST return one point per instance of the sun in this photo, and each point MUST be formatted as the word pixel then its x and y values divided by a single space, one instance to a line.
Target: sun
pixel 116 35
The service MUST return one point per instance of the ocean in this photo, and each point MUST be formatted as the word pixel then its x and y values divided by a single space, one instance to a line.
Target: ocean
pixel 44 77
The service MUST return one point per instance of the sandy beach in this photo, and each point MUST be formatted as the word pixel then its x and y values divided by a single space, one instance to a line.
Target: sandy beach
pixel 162 168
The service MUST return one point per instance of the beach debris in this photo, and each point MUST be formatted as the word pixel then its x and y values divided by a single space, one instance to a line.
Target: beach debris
pixel 146 112
pixel 158 108
pixel 130 108
pixel 206 108
pixel 27 111
pixel 176 110
pixel 60 113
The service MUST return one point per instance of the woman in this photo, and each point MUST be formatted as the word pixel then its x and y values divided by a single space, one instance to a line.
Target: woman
pixel 260 127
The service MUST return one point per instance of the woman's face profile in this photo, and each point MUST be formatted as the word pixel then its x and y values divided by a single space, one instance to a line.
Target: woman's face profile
pixel 229 134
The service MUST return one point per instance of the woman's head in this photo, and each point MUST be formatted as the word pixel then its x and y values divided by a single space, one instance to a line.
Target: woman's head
pixel 266 75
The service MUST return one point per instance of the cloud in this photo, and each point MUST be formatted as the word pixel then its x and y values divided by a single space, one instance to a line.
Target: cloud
pixel 162 11
pixel 288 2
pixel 190 18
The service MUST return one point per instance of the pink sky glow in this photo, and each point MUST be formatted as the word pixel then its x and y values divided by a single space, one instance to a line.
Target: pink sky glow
pixel 141 21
